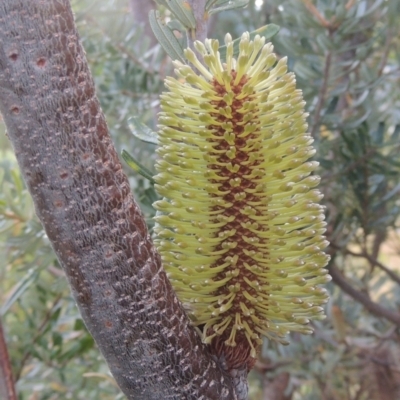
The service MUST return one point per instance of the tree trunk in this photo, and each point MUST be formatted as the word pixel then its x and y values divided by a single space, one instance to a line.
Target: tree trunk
pixel 83 200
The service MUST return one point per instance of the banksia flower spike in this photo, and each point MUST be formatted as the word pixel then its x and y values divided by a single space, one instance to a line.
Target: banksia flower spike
pixel 239 227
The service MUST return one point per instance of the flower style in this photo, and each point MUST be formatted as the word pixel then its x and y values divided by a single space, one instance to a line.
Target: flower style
pixel 239 228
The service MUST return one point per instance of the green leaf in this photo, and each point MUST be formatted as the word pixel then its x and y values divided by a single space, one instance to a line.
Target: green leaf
pixel 19 185
pixel 332 105
pixel 137 166
pixel 305 71
pixel 142 131
pixel 224 5
pixel 210 3
pixel 378 135
pixel 362 13
pixel 78 347
pixel 57 339
pixel 166 37
pixel 324 41
pixel 176 25
pixel 396 133
pixel 268 31
pixel 356 122
pixel 361 98
pixel 19 290
pixel 151 194
pixel 183 12
pixel 394 191
pixel 79 325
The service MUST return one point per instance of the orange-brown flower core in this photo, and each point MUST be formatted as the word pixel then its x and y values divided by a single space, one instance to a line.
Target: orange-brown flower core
pixel 232 163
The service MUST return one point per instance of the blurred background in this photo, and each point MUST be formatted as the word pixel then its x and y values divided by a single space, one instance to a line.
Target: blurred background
pixel 346 56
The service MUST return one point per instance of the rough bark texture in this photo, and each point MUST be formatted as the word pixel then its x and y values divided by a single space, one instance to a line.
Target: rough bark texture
pixel 83 199
pixel 198 8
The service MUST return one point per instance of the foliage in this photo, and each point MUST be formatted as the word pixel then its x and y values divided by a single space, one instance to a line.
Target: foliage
pixel 346 58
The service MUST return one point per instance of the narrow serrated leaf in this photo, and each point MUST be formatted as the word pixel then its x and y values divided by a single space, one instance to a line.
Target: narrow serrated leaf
pixel 142 131
pixel 166 37
pixel 137 166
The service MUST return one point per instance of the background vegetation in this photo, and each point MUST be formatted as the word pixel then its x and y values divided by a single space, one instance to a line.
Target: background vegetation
pixel 346 55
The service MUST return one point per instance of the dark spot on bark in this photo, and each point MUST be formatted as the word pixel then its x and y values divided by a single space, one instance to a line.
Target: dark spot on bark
pixel 13 56
pixel 41 62
pixel 58 203
pixel 15 110
pixel 109 254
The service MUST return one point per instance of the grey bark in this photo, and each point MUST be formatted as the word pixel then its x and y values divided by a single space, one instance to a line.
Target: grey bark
pixel 83 200
pixel 200 33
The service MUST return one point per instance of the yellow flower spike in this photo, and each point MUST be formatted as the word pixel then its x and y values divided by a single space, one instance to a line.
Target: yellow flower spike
pixel 239 229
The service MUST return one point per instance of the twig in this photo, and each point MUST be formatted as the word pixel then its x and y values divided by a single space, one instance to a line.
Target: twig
pixel 314 11
pixel 12 215
pixel 320 334
pixel 351 166
pixel 46 319
pixel 350 4
pixel 263 367
pixel 379 239
pixel 385 53
pixel 120 47
pixel 200 33
pixel 370 305
pixel 321 94
pixel 332 24
pixel 372 260
pixel 7 387
pixel 375 262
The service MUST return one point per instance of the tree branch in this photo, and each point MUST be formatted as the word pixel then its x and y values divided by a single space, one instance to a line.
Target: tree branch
pixel 321 94
pixel 200 33
pixel 371 306
pixel 7 388
pixel 83 200
pixel 314 11
pixel 385 55
pixel 376 263
pixel 39 332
